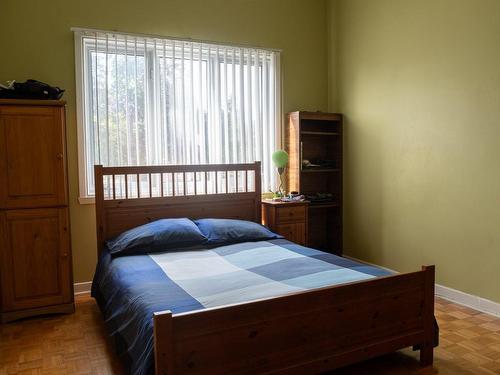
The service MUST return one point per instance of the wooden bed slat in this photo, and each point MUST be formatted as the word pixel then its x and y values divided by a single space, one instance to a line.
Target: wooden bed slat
pixel 216 182
pixel 184 182
pixel 126 186
pixel 173 185
pixel 150 185
pixel 162 186
pixel 206 182
pixel 138 179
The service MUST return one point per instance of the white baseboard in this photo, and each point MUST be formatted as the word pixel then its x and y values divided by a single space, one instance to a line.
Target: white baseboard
pixel 82 288
pixel 469 300
pixel 474 302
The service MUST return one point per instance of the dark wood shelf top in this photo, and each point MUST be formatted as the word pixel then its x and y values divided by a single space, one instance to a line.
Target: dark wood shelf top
pixel 310 132
pixel 41 102
pixel 320 170
pixel 324 116
pixel 281 203
pixel 324 205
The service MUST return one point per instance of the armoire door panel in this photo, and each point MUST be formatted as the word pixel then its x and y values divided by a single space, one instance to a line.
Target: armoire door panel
pixel 35 258
pixel 33 153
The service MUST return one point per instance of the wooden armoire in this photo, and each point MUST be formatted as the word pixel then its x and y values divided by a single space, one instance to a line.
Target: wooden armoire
pixel 35 253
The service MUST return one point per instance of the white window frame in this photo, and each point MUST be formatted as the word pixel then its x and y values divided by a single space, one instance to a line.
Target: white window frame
pixel 81 82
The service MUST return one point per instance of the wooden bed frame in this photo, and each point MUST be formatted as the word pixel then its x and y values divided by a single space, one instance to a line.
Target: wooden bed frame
pixel 301 333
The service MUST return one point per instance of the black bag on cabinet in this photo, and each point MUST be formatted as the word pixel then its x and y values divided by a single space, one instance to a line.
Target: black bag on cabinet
pixel 32 89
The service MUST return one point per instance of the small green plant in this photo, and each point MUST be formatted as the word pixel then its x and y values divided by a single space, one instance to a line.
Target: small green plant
pixel 278 194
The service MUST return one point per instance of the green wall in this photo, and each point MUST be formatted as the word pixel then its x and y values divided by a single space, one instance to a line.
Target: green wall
pixel 419 83
pixel 36 42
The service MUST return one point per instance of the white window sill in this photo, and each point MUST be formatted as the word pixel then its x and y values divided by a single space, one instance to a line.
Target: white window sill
pixel 86 200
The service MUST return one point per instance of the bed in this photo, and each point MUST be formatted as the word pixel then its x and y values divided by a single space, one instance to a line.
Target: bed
pixel 255 307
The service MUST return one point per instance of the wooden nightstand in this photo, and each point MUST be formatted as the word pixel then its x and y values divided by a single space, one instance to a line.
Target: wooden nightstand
pixel 287 218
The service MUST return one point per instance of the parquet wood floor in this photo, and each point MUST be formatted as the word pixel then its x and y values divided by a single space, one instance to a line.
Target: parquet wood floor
pixel 77 344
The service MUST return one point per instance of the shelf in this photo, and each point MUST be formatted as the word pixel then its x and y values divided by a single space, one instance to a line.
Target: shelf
pixel 307 132
pixel 320 170
pixel 323 205
pixel 318 116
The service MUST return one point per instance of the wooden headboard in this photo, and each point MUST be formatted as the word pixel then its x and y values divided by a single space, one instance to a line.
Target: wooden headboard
pixel 126 197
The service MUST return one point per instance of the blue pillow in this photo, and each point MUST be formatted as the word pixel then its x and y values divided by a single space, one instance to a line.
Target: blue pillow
pixel 227 231
pixel 156 236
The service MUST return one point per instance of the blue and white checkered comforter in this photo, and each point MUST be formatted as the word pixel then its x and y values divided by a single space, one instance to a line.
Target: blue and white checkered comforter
pixel 130 288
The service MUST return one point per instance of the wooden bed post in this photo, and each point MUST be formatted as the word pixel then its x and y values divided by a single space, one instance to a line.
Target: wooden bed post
pixel 258 193
pixel 99 211
pixel 163 341
pixel 427 348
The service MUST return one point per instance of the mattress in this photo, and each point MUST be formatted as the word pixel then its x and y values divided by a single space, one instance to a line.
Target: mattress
pixel 129 289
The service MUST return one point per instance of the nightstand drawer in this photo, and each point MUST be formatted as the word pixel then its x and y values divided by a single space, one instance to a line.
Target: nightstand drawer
pixel 288 219
pixel 293 232
pixel 291 214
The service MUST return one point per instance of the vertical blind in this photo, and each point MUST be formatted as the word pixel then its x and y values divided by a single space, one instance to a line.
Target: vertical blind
pixel 151 101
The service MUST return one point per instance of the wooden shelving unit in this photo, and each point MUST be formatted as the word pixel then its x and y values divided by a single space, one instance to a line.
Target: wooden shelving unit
pixel 317 136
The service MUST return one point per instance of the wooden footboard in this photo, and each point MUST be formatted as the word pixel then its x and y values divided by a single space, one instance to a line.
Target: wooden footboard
pixel 303 333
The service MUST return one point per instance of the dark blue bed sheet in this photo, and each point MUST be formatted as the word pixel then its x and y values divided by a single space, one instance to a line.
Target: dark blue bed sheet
pixel 129 289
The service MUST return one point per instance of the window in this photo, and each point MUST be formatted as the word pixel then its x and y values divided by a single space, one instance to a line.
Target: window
pixel 147 101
